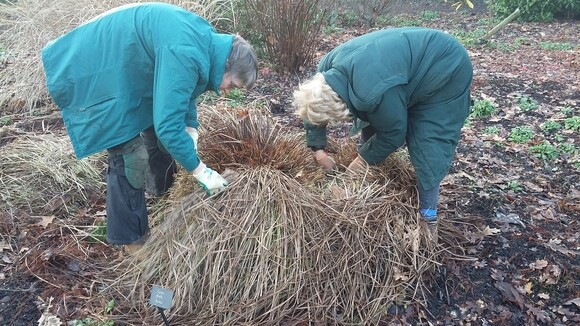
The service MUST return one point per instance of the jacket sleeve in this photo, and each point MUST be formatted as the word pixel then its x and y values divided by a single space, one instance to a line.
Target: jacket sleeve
pixel 176 76
pixel 315 135
pixel 389 120
pixel 191 116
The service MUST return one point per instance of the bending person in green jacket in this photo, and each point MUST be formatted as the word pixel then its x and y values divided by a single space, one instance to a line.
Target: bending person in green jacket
pixel 400 85
pixel 127 81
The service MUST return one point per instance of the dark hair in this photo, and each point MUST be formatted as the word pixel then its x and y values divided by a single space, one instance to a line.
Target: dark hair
pixel 242 62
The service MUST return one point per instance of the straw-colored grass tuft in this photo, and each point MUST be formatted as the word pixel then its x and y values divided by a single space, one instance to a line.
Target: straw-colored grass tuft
pixel 268 249
pixel 273 247
pixel 251 138
pixel 41 173
pixel 27 25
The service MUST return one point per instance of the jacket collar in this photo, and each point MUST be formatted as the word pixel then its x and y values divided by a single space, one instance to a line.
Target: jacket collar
pixel 220 50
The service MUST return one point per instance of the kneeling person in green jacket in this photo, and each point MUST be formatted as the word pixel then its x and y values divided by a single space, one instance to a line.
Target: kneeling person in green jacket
pixel 127 81
pixel 400 85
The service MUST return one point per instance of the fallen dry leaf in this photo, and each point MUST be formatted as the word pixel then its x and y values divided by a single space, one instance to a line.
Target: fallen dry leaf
pixel 551 275
pixel 528 287
pixel 541 315
pixel 480 264
pixel 45 221
pixel 497 274
pixel 400 276
pixel 544 296
pixel 7 259
pixel 487 231
pixel 561 249
pixel 573 301
pixel 4 246
pixel 510 293
pixel 539 264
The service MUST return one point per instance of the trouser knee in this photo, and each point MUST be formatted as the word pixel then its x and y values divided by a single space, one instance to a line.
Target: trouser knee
pixel 365 134
pixel 161 166
pixel 130 159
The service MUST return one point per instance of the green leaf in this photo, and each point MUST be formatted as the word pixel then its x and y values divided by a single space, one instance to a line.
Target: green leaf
pixel 110 306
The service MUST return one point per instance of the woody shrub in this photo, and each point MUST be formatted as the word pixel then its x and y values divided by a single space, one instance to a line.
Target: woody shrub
pixel 285 30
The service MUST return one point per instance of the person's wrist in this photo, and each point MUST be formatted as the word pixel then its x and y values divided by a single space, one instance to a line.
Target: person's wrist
pixel 320 154
pixel 199 169
pixel 316 148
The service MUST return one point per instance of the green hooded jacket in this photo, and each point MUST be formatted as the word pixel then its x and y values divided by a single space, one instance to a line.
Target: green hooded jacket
pixel 411 85
pixel 133 67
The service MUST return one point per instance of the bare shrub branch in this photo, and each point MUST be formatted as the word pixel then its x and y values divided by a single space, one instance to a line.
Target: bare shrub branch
pixel 288 29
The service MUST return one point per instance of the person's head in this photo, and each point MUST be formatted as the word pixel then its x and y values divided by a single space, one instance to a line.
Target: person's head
pixel 318 103
pixel 241 67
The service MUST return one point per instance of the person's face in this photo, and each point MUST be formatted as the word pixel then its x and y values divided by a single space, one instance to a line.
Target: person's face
pixel 229 83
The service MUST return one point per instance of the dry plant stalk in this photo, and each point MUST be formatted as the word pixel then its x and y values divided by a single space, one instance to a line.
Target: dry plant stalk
pixel 27 25
pixel 268 248
pixel 40 172
pixel 251 138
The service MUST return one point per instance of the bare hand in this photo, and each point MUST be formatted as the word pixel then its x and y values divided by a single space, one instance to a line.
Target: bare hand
pixel 358 164
pixel 325 160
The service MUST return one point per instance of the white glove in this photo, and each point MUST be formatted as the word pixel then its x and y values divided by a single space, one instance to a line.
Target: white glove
pixel 192 132
pixel 209 179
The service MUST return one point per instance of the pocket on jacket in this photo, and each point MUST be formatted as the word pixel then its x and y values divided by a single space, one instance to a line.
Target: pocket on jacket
pixel 90 125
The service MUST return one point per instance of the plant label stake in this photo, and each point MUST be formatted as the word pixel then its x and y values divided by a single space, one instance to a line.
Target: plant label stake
pixel 161 298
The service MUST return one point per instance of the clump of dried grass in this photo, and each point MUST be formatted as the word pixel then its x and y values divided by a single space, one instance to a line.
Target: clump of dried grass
pixel 276 247
pixel 251 138
pixel 27 25
pixel 40 172
pixel 273 247
pixel 268 249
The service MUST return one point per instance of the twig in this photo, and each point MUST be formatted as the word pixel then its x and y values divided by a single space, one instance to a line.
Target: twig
pixel 502 24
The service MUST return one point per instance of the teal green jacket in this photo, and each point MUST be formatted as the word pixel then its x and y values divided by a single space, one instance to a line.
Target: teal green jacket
pixel 133 67
pixel 411 85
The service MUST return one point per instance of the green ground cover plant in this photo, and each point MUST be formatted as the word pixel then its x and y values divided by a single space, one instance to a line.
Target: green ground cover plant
pixel 521 134
pixel 482 109
pixel 515 186
pixel 547 45
pixel 572 123
pixel 492 130
pixel 545 151
pixel 527 103
pixel 551 125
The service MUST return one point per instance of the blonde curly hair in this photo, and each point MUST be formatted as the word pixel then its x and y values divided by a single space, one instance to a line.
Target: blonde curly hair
pixel 318 103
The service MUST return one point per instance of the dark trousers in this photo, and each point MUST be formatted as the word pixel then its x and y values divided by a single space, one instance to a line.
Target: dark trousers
pixel 428 198
pixel 161 169
pixel 133 166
